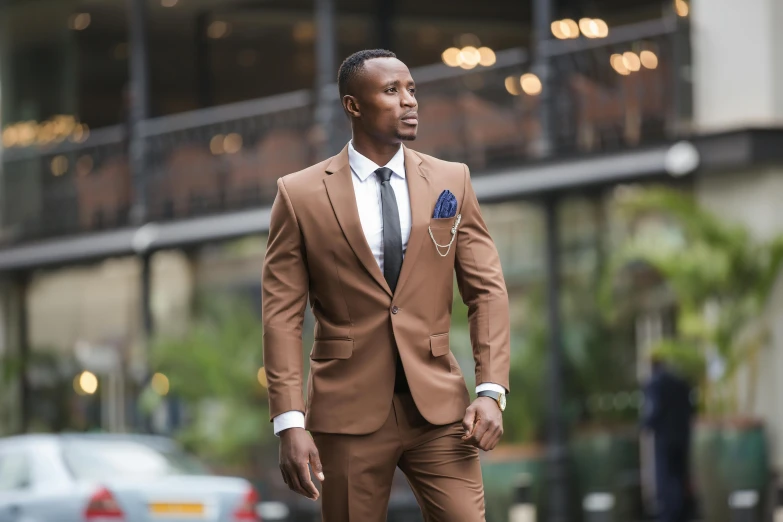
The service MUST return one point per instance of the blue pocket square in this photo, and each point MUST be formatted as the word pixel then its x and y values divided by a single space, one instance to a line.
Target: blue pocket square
pixel 446 206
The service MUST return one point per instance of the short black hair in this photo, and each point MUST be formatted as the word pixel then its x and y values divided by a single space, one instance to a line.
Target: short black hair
pixel 353 65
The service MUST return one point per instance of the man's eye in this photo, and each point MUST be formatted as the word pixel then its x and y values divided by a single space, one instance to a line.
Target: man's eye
pixel 391 89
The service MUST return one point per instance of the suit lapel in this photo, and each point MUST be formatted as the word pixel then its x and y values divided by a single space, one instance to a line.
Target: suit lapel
pixel 339 187
pixel 419 190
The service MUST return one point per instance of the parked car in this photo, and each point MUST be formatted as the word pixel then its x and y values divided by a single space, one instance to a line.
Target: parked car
pixel 114 478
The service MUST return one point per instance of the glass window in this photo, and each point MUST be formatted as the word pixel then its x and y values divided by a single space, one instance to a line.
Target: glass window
pixel 14 471
pixel 103 459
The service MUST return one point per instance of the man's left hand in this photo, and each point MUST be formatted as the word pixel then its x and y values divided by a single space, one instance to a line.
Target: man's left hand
pixel 483 423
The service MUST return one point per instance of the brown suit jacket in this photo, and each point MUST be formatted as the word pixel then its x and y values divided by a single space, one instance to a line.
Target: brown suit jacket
pixel 317 248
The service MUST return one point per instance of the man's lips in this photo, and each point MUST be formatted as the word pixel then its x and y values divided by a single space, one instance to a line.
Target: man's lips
pixel 411 118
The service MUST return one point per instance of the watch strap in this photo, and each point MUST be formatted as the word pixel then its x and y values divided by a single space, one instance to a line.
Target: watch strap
pixel 489 393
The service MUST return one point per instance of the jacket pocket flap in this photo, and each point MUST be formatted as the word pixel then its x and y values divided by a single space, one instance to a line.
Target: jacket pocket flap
pixel 439 344
pixel 331 349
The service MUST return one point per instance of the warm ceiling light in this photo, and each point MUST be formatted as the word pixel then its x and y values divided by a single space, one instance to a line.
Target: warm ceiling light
pixel 451 57
pixel 593 28
pixel 88 382
pixel 80 21
pixel 570 28
pixel 649 59
pixel 216 144
pixel 602 28
pixel 557 30
pixel 470 56
pixel 233 143
pixel 565 29
pixel 586 27
pixel 10 137
pixel 487 56
pixel 218 29
pixel 59 165
pixel 619 65
pixel 160 384
pixel 27 133
pixel 682 8
pixel 531 84
pixel 512 85
pixel 64 125
pixel 168 3
pixel 80 133
pixel 45 133
pixel 631 61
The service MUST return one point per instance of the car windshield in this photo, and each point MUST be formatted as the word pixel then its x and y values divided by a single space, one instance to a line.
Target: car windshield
pixel 105 459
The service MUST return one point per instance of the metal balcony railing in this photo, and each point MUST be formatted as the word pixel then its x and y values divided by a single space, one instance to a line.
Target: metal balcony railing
pixel 229 157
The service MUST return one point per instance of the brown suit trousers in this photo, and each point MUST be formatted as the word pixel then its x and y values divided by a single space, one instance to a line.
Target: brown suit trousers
pixel 317 249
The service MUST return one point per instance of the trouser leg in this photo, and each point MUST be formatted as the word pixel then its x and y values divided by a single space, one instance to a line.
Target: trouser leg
pixel 443 471
pixel 358 471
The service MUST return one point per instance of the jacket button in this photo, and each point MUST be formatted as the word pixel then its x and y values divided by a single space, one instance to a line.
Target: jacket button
pixel 395 309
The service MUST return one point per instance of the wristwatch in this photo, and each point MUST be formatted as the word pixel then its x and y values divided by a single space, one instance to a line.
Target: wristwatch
pixel 500 398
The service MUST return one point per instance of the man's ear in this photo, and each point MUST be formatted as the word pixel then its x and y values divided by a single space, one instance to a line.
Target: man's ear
pixel 351 105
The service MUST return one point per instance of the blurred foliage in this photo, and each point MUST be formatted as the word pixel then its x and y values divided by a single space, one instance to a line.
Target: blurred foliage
pixel 599 360
pixel 213 369
pixel 719 276
pixel 680 355
pixel 53 404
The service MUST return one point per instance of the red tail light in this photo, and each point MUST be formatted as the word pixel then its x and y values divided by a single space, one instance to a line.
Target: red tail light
pixel 246 512
pixel 101 506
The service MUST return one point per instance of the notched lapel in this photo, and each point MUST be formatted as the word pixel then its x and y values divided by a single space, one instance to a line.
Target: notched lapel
pixel 339 188
pixel 421 200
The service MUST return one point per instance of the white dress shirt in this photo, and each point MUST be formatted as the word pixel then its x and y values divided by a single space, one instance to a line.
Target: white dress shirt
pixel 367 188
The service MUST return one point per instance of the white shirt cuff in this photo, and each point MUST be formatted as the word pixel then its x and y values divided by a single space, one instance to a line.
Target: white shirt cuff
pixel 289 419
pixel 489 386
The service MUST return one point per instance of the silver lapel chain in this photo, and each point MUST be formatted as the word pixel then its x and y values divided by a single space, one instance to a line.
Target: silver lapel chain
pixel 453 235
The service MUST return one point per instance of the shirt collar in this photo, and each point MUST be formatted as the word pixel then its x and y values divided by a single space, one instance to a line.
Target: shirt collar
pixel 363 167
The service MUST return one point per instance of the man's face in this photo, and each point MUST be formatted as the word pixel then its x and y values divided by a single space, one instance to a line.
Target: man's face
pixel 386 100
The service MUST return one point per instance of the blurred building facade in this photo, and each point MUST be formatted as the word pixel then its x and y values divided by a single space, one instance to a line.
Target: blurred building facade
pixel 121 198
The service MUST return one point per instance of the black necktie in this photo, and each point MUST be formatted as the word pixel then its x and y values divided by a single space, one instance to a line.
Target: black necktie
pixel 392 254
pixel 392 236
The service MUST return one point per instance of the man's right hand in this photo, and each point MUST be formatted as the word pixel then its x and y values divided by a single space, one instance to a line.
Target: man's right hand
pixel 297 451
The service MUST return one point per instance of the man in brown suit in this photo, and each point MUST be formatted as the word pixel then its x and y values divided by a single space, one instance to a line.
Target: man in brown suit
pixel 384 390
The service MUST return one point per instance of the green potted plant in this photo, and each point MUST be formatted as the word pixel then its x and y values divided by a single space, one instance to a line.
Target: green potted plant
pixel 719 279
pixel 214 369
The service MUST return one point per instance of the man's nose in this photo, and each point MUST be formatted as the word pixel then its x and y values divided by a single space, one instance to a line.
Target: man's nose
pixel 408 100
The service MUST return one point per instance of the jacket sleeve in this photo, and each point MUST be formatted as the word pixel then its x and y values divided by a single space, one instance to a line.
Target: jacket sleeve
pixel 483 290
pixel 284 287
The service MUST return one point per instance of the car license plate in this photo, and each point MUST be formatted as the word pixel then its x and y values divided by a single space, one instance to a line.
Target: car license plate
pixel 191 509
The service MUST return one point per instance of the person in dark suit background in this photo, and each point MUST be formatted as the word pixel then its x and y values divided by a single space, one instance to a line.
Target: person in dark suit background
pixel 668 414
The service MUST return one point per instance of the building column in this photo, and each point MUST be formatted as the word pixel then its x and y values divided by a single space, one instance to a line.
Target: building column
pixel 203 71
pixel 542 18
pixel 556 444
pixel 14 354
pixel 384 23
pixel 139 107
pixel 3 65
pixel 326 72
